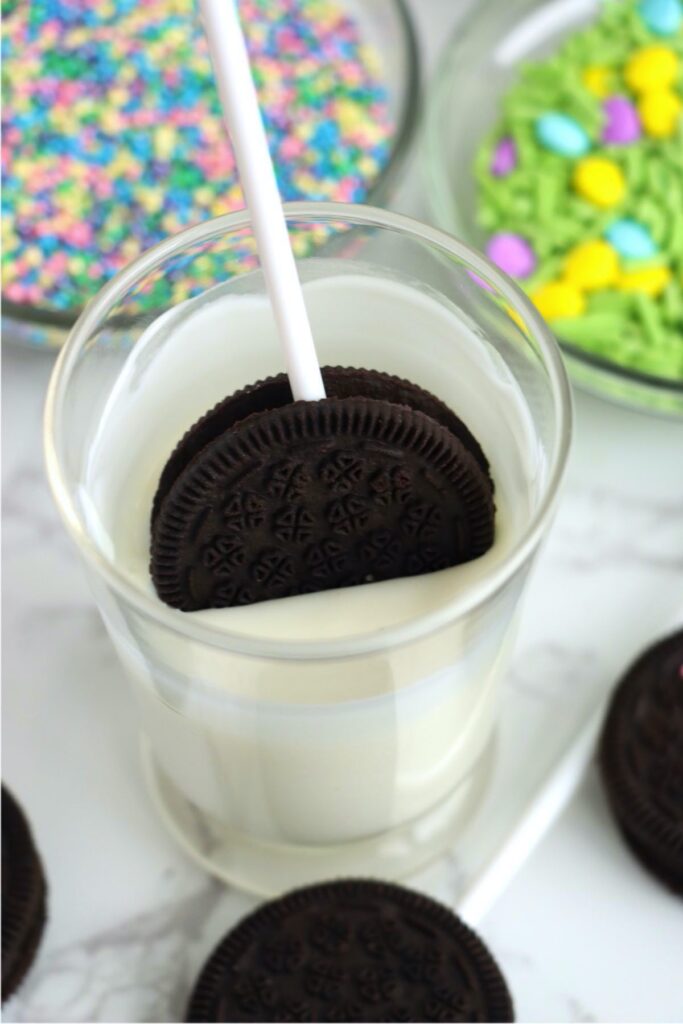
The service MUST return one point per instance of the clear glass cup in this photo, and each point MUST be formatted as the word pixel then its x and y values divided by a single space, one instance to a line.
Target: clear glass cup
pixel 320 735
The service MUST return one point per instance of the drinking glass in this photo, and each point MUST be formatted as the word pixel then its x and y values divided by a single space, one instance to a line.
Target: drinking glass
pixel 340 743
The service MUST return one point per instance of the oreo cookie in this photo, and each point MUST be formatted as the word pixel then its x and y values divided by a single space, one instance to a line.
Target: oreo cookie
pixel 264 497
pixel 641 759
pixel 351 951
pixel 23 896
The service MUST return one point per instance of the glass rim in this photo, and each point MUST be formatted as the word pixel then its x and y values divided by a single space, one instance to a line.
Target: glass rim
pixel 357 644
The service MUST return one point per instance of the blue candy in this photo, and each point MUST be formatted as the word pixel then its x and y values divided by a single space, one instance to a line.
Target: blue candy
pixel 663 17
pixel 562 134
pixel 631 240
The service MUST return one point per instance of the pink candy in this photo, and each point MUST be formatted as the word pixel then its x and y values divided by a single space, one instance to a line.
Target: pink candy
pixel 512 254
pixel 622 122
pixel 504 158
pixel 77 235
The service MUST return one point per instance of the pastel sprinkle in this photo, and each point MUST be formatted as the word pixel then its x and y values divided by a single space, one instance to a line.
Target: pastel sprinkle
pixel 504 158
pixel 652 67
pixel 660 112
pixel 597 80
pixel 622 124
pixel 562 134
pixel 112 135
pixel 600 181
pixel 559 299
pixel 512 254
pixel 592 265
pixel 631 240
pixel 649 281
pixel 663 17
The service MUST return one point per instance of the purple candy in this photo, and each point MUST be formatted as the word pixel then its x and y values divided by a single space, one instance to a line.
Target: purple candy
pixel 622 122
pixel 505 157
pixel 513 254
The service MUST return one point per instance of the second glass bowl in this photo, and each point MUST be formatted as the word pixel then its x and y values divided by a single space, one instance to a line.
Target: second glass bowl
pixel 477 67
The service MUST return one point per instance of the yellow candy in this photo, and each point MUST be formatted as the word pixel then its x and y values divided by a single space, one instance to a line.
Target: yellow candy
pixel 33 256
pixel 175 36
pixel 118 96
pixel 164 141
pixel 368 166
pixel 600 181
pixel 77 37
pixel 660 111
pixel 653 67
pixel 130 248
pixel 558 299
pixel 111 122
pixel 651 281
pixel 592 265
pixel 150 199
pixel 203 195
pixel 597 80
pixel 299 245
pixel 349 115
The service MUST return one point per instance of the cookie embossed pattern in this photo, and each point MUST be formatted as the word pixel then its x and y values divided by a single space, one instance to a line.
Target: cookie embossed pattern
pixel 302 499
pixel 351 950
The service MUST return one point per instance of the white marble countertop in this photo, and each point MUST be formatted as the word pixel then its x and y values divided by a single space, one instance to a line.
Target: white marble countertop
pixel 582 933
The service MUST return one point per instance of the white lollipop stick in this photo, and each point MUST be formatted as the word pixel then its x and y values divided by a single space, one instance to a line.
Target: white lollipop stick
pixel 243 119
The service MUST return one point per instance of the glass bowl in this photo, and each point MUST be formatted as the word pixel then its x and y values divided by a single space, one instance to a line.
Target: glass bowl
pixel 481 62
pixel 385 25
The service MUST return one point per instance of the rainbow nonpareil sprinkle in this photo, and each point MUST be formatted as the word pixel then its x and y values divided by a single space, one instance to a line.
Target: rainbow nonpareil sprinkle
pixel 113 137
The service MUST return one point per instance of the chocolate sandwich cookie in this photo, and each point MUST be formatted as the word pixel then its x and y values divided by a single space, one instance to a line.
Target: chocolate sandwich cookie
pixel 641 759
pixel 351 951
pixel 265 497
pixel 23 896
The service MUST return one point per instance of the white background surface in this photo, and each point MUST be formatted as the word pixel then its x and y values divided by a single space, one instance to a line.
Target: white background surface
pixel 582 933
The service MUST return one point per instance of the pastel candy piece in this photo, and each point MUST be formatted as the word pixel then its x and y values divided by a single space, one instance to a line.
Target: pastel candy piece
pixel 631 240
pixel 592 265
pixel 660 111
pixel 512 254
pixel 622 124
pixel 562 134
pixel 559 299
pixel 600 181
pixel 651 67
pixel 649 281
pixel 597 80
pixel 663 17
pixel 504 158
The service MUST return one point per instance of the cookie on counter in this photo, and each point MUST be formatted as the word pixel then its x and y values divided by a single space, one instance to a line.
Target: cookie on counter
pixel 23 896
pixel 641 759
pixel 351 951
